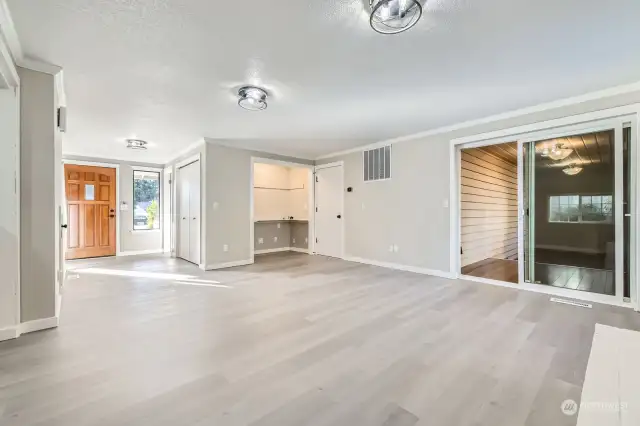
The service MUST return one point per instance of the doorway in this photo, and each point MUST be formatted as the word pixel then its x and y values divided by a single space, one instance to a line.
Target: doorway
pixel 329 202
pixel 188 196
pixel 489 212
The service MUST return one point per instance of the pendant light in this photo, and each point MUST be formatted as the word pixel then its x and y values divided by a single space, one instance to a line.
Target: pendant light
pixel 572 170
pixel 394 16
pixel 558 152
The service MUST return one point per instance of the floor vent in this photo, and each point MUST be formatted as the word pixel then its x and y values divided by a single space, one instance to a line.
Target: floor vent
pixel 572 303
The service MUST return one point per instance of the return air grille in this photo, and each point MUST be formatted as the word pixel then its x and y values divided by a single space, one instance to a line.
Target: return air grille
pixel 377 164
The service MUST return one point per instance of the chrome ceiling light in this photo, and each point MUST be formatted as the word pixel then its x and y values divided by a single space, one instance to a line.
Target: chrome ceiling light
pixel 136 144
pixel 394 16
pixel 572 170
pixel 252 98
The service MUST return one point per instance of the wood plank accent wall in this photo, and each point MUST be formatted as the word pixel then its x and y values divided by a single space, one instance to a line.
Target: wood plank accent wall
pixel 489 206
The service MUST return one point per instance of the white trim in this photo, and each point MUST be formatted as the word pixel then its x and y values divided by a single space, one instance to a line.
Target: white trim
pixel 11 51
pixel 310 202
pixel 39 66
pixel 187 161
pixel 39 324
pixel 146 169
pixel 606 93
pixel 311 243
pixel 8 73
pixel 228 264
pixel 185 151
pixel 106 165
pixel 273 250
pixel 399 267
pixel 9 333
pixel 139 252
pixel 299 250
pixel 146 231
pixel 547 289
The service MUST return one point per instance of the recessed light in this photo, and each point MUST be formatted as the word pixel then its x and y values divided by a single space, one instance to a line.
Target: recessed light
pixel 136 144
pixel 252 98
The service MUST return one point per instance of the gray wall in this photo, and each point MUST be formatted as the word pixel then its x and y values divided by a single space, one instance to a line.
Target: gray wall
pixel 228 173
pixel 584 237
pixel 9 230
pixel 290 234
pixel 40 150
pixel 130 240
pixel 408 209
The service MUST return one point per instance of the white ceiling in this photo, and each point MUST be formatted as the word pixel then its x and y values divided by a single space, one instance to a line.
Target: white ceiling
pixel 166 70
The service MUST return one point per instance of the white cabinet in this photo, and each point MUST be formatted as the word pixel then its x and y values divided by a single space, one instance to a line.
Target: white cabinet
pixel 189 212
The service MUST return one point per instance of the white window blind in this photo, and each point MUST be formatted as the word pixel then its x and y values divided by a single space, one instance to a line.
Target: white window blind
pixel 376 163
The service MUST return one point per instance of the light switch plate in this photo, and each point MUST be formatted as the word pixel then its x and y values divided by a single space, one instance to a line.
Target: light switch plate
pixel 275 239
pixel 260 240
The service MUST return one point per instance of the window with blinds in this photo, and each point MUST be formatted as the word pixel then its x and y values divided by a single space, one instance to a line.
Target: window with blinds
pixel 377 164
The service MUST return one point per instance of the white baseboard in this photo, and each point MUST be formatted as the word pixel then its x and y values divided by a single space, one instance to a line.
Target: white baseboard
pixel 8 333
pixel 138 252
pixel 273 250
pixel 568 248
pixel 299 250
pixel 39 324
pixel 228 264
pixel 399 267
pixel 28 327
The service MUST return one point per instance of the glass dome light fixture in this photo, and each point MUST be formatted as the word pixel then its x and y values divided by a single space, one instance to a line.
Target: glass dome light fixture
pixel 394 16
pixel 252 98
pixel 136 144
pixel 572 170
pixel 558 152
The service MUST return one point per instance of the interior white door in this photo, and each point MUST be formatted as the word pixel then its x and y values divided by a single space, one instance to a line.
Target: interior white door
pixel 184 177
pixel 194 213
pixel 329 211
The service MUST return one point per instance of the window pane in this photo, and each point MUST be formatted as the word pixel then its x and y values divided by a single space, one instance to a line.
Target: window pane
pixel 89 192
pixel 146 200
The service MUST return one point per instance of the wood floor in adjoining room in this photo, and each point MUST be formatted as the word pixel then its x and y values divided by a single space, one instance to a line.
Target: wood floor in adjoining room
pixel 296 340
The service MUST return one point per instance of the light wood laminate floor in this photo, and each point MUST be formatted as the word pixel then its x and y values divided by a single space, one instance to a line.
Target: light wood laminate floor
pixel 296 340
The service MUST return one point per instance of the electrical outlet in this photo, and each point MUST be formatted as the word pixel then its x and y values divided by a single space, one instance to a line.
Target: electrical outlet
pixel 306 240
pixel 215 205
pixel 275 239
pixel 260 240
pixel 225 247
pixel 278 226
pixel 396 248
pixel 294 241
pixel 391 248
pixel 445 204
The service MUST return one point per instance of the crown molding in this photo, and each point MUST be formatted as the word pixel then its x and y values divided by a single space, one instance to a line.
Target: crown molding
pixel 10 49
pixel 600 94
pixel 40 66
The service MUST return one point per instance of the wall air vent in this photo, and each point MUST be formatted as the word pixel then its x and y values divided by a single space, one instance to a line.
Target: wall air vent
pixel 376 164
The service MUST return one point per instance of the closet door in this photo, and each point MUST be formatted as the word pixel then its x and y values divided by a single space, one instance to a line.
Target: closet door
pixel 194 212
pixel 184 217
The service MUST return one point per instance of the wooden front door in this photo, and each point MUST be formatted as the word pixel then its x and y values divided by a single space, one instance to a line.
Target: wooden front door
pixel 91 211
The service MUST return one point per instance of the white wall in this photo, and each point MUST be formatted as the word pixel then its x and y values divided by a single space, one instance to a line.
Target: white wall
pixel 9 229
pixel 409 209
pixel 280 192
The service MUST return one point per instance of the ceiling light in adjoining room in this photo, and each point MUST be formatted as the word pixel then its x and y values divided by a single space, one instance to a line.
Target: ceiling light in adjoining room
pixel 136 144
pixel 572 170
pixel 394 16
pixel 252 98
pixel 558 152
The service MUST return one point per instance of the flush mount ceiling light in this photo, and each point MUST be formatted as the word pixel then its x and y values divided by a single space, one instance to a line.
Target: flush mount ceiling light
pixel 252 98
pixel 136 144
pixel 394 16
pixel 572 170
pixel 558 152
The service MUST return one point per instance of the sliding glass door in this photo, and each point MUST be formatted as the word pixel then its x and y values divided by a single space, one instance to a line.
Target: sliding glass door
pixel 574 196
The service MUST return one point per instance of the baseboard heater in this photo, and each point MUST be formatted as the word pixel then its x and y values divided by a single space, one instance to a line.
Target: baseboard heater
pixel 572 302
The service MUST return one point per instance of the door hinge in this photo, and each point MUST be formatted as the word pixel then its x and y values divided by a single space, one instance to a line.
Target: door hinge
pixel 317 179
pixel 316 210
pixel 316 240
pixel 461 250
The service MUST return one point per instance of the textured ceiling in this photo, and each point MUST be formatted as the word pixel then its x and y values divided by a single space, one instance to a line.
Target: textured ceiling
pixel 166 70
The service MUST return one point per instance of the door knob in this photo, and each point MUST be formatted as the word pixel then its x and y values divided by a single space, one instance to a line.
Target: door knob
pixel 112 215
pixel 183 218
pixel 339 216
pixel 194 218
pixel 64 226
